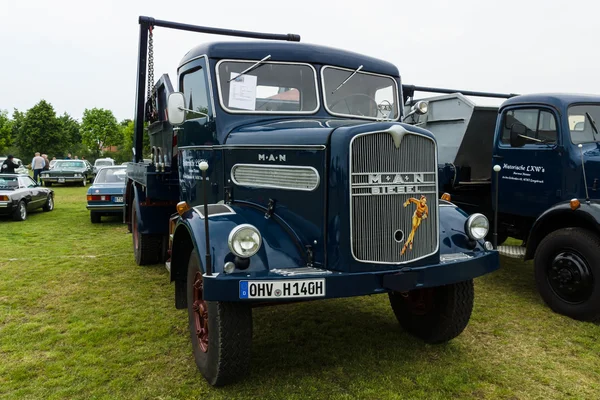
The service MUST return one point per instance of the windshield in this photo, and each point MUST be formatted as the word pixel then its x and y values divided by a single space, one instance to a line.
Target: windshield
pixel 69 164
pixel 8 182
pixel 362 95
pixel 110 175
pixel 100 163
pixel 270 87
pixel 580 125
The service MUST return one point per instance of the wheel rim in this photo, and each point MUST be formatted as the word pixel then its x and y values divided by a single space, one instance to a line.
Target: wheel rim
pixel 135 230
pixel 50 203
pixel 23 210
pixel 200 310
pixel 420 301
pixel 570 277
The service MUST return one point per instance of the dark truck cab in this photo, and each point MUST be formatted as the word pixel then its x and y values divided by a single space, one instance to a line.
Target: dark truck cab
pixel 282 172
pixel 546 148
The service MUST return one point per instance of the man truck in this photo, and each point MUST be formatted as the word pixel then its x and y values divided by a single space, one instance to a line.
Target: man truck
pixel 545 149
pixel 282 172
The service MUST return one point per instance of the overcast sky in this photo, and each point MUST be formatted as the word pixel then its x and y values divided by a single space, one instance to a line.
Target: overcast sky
pixel 82 54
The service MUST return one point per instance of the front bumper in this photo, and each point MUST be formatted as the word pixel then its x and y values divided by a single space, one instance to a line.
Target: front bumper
pixel 63 179
pixel 223 287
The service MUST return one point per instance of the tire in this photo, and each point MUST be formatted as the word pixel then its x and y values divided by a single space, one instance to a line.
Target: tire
pixel 20 213
pixel 223 356
pixel 147 249
pixel 48 184
pixel 567 273
pixel 49 206
pixel 95 217
pixel 84 182
pixel 435 315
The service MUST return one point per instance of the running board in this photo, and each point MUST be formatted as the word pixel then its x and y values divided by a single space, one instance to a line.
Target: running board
pixel 512 251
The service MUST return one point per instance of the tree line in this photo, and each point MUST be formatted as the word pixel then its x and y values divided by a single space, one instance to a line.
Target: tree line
pixel 99 134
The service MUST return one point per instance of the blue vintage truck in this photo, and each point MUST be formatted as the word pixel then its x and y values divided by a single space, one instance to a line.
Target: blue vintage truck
pixel 281 172
pixel 546 148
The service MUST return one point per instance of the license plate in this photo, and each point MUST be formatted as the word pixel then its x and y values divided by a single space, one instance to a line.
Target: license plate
pixel 118 199
pixel 61 180
pixel 282 289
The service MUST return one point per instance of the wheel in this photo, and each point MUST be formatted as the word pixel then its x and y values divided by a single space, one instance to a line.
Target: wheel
pixel 567 273
pixel 435 315
pixel 48 184
pixel 20 213
pixel 49 206
pixel 220 332
pixel 84 181
pixel 95 217
pixel 147 249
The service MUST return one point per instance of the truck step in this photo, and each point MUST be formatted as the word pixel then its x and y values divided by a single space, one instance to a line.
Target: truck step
pixel 512 251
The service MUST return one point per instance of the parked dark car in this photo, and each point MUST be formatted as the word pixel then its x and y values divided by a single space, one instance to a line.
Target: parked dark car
pixel 68 171
pixel 19 194
pixel 105 196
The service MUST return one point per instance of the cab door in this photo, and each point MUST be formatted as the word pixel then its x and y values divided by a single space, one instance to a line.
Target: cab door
pixel 531 175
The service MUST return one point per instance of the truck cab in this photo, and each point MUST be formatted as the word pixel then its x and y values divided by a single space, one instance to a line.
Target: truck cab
pixel 547 153
pixel 289 176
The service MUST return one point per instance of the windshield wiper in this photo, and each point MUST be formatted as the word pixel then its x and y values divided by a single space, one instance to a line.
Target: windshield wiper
pixel 594 127
pixel 252 67
pixel 347 79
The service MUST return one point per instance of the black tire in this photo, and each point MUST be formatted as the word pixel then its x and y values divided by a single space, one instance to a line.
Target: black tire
pixel 147 249
pixel 20 213
pixel 567 273
pixel 49 205
pixel 95 217
pixel 229 330
pixel 84 182
pixel 48 184
pixel 435 315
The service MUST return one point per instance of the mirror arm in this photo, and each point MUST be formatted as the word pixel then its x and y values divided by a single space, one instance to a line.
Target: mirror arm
pixel 188 110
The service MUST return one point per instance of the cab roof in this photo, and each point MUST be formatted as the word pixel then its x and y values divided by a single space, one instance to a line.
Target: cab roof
pixel 290 51
pixel 557 100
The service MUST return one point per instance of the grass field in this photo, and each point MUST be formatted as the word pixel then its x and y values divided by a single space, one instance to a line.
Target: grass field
pixel 78 319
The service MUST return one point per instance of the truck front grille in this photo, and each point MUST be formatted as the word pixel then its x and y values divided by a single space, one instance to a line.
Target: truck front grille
pixel 383 178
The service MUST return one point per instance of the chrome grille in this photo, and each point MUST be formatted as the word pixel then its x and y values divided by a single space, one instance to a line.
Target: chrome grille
pixel 383 177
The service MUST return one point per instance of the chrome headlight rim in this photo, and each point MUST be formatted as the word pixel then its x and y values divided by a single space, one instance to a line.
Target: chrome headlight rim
pixel 469 225
pixel 232 236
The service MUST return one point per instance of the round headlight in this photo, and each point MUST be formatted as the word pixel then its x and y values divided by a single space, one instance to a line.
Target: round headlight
pixel 421 107
pixel 477 226
pixel 244 240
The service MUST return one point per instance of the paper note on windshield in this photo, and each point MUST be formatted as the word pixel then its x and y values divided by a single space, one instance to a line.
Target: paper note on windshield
pixel 242 92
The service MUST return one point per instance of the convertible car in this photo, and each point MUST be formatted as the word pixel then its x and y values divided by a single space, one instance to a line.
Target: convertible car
pixel 68 171
pixel 105 196
pixel 19 194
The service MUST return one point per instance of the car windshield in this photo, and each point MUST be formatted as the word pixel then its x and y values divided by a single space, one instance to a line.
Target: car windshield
pixel 268 88
pixel 101 163
pixel 9 182
pixel 110 175
pixel 360 94
pixel 584 123
pixel 69 164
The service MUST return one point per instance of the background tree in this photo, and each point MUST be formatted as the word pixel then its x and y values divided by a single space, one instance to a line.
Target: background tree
pixel 99 129
pixel 5 132
pixel 39 130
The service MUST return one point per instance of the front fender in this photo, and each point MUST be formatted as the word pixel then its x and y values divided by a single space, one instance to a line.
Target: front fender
pixel 453 238
pixel 562 216
pixel 279 248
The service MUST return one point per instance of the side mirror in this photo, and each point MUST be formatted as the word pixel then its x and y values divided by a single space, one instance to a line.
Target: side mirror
pixel 516 130
pixel 175 108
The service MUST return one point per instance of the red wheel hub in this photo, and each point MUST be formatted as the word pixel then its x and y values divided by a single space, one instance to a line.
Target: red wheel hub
pixel 200 313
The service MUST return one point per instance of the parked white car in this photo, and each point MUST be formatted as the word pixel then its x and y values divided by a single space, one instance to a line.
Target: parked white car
pixel 21 170
pixel 102 162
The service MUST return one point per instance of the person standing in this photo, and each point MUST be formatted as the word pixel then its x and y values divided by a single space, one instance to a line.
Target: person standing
pixel 46 161
pixel 9 166
pixel 68 156
pixel 37 165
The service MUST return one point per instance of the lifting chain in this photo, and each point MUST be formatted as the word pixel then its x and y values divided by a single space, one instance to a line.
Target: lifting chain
pixel 151 113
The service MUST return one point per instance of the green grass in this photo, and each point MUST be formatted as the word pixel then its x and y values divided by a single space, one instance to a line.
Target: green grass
pixel 78 319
